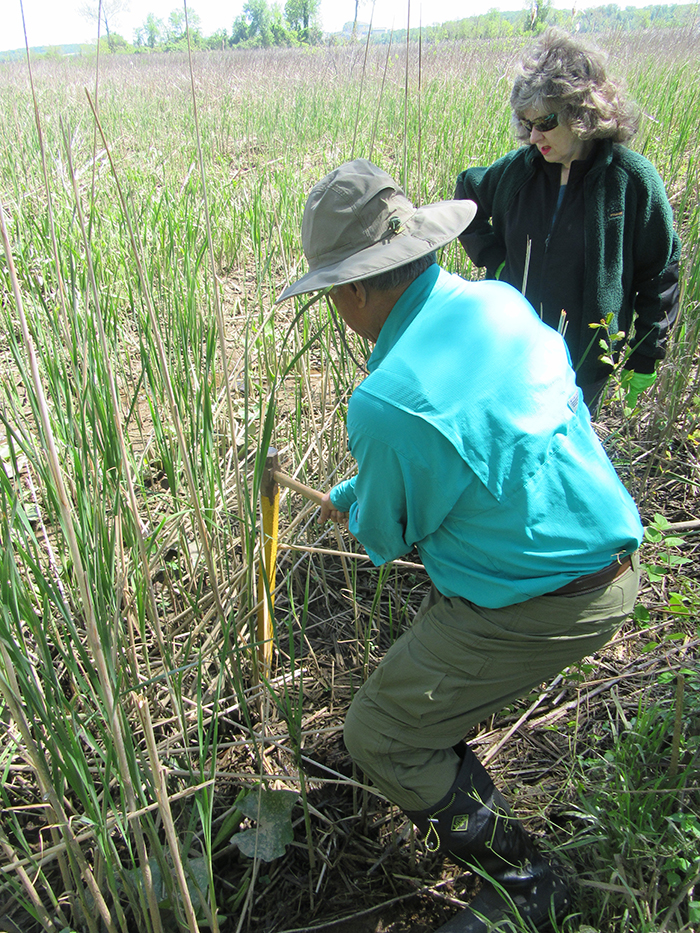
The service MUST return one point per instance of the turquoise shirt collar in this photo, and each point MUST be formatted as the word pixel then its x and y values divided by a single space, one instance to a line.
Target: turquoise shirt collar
pixel 403 312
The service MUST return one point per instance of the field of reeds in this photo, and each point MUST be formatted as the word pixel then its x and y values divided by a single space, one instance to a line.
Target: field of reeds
pixel 160 770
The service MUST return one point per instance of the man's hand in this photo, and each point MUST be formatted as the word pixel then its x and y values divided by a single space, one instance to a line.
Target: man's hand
pixel 328 511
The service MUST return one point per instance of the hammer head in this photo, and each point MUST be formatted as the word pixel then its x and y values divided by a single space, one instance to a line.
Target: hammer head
pixel 268 485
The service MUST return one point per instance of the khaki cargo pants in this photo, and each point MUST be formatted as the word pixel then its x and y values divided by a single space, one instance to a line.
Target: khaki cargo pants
pixel 457 664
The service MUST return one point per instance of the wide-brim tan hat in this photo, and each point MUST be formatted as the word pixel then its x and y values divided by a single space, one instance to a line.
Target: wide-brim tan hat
pixel 358 223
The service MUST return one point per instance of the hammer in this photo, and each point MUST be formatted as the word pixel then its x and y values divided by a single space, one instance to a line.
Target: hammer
pixel 272 476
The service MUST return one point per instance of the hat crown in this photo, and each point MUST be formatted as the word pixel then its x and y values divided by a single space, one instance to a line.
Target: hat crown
pixel 355 207
pixel 358 223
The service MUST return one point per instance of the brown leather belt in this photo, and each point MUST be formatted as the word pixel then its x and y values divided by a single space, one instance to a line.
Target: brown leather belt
pixel 594 581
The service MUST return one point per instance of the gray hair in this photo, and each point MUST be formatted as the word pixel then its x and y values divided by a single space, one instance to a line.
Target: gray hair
pixel 386 281
pixel 560 74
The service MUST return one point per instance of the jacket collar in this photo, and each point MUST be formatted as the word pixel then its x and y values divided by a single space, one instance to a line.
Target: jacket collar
pixel 597 160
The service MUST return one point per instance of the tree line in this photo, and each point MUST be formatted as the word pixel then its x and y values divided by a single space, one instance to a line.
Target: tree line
pixel 264 24
pixel 540 13
pixel 259 25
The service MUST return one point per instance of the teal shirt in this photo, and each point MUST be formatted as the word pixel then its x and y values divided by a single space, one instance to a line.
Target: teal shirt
pixel 473 445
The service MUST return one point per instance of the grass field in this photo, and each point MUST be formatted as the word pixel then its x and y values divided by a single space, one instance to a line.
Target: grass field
pixel 145 373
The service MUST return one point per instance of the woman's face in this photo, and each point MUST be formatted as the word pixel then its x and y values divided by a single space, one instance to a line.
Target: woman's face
pixel 558 144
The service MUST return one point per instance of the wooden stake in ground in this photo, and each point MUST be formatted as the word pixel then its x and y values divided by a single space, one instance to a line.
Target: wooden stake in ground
pixel 270 508
pixel 272 479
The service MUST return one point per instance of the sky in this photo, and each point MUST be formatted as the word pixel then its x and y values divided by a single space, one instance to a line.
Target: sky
pixel 58 22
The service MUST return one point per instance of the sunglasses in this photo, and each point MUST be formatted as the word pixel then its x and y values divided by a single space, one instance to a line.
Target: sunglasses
pixel 543 125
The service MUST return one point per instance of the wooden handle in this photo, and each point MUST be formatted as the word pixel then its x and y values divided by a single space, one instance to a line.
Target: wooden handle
pixel 289 483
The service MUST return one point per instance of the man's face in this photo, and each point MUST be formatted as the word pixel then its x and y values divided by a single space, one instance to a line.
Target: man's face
pixel 351 303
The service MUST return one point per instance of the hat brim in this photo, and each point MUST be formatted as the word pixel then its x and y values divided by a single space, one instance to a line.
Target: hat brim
pixel 428 229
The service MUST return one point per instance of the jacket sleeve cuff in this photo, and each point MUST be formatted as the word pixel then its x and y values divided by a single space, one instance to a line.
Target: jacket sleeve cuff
pixel 640 363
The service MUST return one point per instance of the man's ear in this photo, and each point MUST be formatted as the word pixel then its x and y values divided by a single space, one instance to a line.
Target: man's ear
pixel 354 292
pixel 360 293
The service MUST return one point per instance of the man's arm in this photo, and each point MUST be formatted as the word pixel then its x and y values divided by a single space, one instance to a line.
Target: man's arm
pixel 409 478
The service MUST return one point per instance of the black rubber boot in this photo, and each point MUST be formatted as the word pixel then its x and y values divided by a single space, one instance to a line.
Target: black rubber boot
pixel 474 826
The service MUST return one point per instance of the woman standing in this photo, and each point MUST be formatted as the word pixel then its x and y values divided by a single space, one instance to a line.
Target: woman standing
pixel 575 219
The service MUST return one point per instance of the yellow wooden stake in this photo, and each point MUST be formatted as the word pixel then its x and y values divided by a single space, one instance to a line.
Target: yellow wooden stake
pixel 272 479
pixel 270 507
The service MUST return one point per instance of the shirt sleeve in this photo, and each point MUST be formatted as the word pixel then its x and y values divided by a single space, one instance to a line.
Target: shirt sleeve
pixel 409 478
pixel 343 495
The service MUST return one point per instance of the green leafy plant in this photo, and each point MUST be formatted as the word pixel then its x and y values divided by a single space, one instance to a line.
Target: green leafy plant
pixel 271 811
pixel 665 552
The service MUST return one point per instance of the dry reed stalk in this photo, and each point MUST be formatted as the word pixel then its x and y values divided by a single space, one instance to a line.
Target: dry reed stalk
pixel 52 853
pixel 112 710
pixel 165 812
pixel 12 694
pixel 165 373
pixel 14 864
pixel 381 95
pixel 362 82
pixel 65 873
pixel 138 523
pixel 310 549
pixel 404 181
pixel 221 330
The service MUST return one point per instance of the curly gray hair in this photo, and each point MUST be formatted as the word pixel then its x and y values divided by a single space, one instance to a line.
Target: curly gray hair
pixel 559 74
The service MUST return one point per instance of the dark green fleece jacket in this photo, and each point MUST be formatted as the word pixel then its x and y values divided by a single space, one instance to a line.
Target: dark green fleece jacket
pixel 608 248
